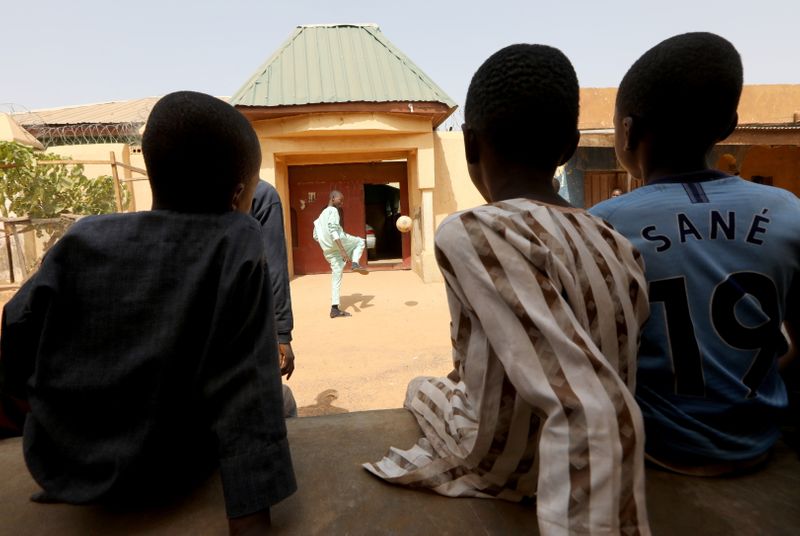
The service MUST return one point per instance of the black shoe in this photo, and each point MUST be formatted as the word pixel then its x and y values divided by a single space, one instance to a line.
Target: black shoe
pixel 336 313
pixel 360 269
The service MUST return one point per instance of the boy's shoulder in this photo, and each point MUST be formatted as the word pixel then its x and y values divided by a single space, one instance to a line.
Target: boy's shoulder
pixel 163 219
pixel 454 220
pixel 265 194
pixel 774 193
pixel 117 231
pixel 500 208
pixel 651 198
pixel 328 212
pixel 499 215
pixel 631 200
pixel 146 243
pixel 508 209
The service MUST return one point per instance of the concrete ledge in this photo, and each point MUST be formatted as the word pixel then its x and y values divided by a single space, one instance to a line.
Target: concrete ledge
pixel 336 496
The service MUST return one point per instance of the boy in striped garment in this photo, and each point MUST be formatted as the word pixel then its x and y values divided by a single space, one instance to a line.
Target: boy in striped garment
pixel 546 303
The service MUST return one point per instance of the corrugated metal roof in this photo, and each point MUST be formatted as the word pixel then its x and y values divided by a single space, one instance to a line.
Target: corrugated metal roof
pixel 130 111
pixel 334 64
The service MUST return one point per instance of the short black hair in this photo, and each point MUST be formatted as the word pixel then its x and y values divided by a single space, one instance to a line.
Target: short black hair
pixel 686 87
pixel 197 149
pixel 524 101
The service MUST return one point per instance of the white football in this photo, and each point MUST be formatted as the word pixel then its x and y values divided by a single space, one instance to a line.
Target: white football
pixel 404 224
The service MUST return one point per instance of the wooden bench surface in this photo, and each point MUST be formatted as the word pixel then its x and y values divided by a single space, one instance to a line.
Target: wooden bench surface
pixel 336 496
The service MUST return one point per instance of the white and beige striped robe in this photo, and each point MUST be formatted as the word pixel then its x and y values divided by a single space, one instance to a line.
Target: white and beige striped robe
pixel 546 305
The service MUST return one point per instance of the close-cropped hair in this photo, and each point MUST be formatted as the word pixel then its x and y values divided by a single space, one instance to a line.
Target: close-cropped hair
pixel 197 149
pixel 523 100
pixel 687 86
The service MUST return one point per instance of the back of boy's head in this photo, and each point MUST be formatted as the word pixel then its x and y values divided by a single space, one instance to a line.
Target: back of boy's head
pixel 197 149
pixel 523 101
pixel 685 89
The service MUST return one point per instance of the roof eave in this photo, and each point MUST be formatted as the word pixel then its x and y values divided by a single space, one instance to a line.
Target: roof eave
pixel 437 111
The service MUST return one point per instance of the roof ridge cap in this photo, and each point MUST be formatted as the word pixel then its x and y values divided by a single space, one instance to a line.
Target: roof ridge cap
pixel 341 24
pixel 405 60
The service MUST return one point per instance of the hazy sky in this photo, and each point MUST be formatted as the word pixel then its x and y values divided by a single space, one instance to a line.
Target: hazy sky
pixel 58 53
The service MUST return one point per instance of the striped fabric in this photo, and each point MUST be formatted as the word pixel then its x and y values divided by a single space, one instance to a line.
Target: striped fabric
pixel 546 305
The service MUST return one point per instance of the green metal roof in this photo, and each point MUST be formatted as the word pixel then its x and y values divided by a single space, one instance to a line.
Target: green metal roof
pixel 338 63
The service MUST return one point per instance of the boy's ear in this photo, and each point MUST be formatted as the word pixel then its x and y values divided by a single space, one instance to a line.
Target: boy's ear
pixel 471 145
pixel 570 149
pixel 631 133
pixel 238 192
pixel 730 128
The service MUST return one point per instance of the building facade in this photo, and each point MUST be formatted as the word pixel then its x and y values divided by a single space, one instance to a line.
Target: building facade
pixel 340 107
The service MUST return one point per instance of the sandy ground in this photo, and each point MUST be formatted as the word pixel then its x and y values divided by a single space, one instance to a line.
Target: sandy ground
pixel 399 330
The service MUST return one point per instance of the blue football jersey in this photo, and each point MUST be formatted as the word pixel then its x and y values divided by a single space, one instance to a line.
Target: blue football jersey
pixel 721 255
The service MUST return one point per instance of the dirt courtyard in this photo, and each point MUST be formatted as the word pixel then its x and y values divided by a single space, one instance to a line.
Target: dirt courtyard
pixel 399 330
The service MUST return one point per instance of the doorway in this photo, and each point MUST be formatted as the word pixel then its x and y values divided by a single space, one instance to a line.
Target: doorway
pixel 381 210
pixel 375 194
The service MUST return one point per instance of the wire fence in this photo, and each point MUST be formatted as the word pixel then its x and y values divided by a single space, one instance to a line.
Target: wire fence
pixel 86 134
pixel 76 133
pixel 454 122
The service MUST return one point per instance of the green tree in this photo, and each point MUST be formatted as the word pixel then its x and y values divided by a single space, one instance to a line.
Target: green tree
pixel 47 191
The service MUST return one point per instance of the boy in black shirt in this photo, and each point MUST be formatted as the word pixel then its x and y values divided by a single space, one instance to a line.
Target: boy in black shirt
pixel 145 344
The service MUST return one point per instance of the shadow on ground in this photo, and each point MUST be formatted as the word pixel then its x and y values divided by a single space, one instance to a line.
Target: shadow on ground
pixel 356 301
pixel 324 405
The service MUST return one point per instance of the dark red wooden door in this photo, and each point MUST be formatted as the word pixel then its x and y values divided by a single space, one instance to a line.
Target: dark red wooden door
pixel 308 198
pixel 309 188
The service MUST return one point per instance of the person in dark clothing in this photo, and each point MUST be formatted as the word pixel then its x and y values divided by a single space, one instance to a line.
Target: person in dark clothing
pixel 145 344
pixel 267 209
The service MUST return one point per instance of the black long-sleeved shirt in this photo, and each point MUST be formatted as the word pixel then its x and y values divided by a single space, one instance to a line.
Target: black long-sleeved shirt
pixel 146 347
pixel 268 211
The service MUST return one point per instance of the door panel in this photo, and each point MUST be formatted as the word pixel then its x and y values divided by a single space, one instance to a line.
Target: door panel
pixel 308 200
pixel 309 189
pixel 598 185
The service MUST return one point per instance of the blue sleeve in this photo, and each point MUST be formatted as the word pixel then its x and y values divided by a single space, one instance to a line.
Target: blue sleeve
pixel 267 209
pixel 601 210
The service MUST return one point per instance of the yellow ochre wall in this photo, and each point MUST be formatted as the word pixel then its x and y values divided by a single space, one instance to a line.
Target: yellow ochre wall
pixel 780 163
pixel 454 190
pixel 141 198
pixel 359 137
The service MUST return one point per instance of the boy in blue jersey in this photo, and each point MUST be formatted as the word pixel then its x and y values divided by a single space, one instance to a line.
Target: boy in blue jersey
pixel 722 260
